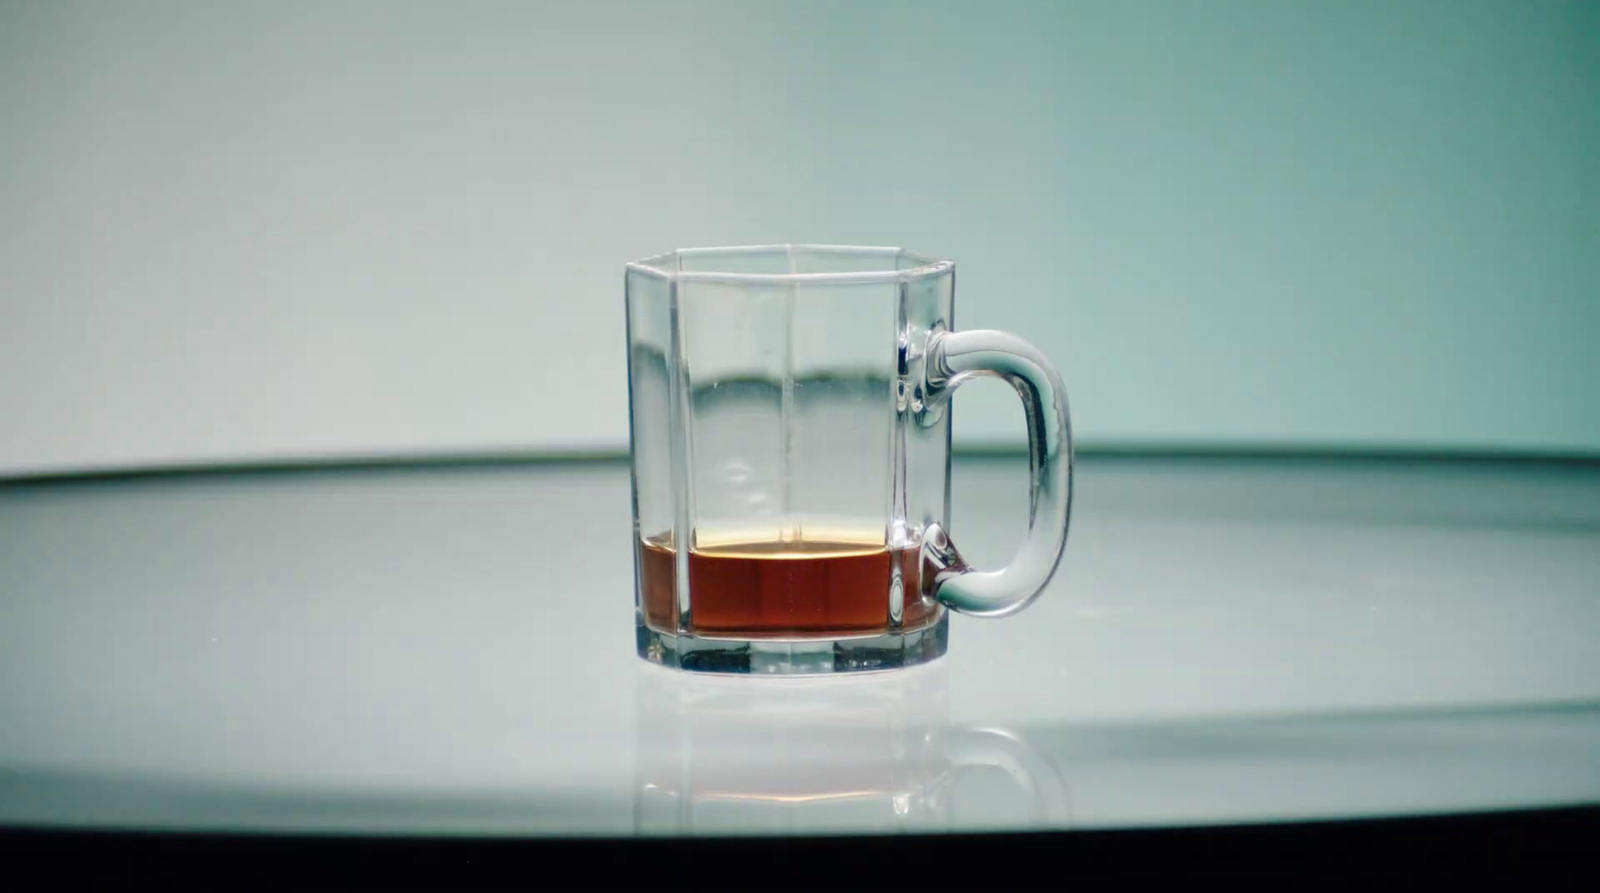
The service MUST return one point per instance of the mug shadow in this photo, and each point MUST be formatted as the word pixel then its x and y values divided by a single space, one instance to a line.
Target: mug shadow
pixel 833 755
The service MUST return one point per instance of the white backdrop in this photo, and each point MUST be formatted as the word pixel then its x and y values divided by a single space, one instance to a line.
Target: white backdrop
pixel 236 230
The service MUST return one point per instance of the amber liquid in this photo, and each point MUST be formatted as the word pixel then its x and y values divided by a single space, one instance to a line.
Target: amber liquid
pixel 801 588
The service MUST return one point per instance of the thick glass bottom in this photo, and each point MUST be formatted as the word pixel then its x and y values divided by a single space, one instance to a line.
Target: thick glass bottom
pixel 794 657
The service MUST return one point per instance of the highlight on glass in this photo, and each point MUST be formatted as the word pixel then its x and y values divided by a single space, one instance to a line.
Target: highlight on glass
pixel 790 434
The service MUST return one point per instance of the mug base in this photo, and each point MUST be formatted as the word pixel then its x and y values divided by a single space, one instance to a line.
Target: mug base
pixel 794 657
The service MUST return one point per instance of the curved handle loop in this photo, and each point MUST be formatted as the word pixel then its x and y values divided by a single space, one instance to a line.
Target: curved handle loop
pixel 957 357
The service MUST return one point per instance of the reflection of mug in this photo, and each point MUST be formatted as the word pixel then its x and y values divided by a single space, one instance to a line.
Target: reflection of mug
pixel 791 459
pixel 827 756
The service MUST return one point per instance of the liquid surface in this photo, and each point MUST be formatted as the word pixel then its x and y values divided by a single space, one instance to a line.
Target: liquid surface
pixel 778 588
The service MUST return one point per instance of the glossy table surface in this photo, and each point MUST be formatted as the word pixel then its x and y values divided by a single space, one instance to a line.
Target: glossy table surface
pixel 449 650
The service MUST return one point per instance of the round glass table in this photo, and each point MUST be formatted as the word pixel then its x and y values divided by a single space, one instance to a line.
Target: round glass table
pixel 444 651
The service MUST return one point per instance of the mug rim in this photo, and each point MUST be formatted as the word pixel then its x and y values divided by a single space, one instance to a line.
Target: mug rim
pixel 662 266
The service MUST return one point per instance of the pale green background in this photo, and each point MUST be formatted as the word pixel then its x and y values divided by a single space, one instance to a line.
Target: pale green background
pixel 300 229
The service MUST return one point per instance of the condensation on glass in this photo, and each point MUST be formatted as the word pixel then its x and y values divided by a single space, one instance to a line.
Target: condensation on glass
pixel 791 458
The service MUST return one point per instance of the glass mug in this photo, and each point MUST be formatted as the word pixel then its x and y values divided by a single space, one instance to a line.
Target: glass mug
pixel 790 433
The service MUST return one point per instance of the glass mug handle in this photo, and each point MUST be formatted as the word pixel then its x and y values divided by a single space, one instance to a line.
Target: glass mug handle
pixel 957 357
